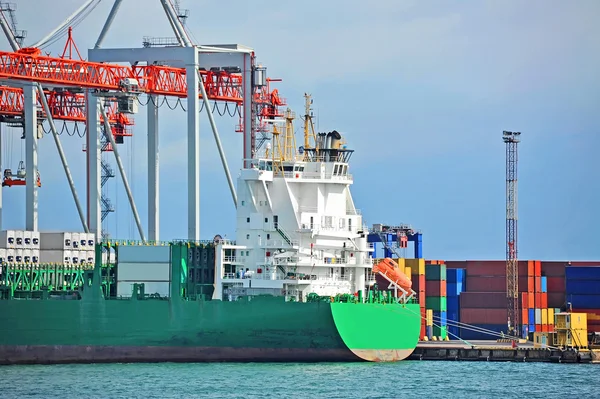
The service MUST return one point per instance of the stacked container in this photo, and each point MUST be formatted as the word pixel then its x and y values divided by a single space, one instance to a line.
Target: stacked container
pixel 436 289
pixel 486 310
pixel 19 246
pixel 455 285
pixel 149 265
pixel 555 276
pixel 417 269
pixel 583 292
pixel 67 248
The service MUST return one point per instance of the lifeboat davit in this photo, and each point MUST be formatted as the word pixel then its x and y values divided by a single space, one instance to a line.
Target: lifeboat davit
pixel 389 269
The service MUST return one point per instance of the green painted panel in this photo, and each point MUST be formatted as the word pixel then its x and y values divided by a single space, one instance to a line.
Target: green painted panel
pixel 435 272
pixel 377 326
pixel 437 303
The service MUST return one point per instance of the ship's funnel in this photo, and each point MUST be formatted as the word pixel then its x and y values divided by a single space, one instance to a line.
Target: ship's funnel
pixel 335 139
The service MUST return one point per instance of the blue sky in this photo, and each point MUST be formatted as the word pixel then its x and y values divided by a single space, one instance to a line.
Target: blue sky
pixel 422 90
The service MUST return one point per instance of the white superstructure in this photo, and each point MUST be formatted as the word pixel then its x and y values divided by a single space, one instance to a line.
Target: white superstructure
pixel 298 231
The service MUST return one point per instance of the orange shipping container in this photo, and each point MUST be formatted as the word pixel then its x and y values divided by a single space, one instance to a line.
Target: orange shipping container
pixel 530 284
pixel 530 268
pixel 538 300
pixel 538 327
pixel 544 300
pixel 538 284
pixel 551 328
pixel 545 328
pixel 525 316
pixel 530 300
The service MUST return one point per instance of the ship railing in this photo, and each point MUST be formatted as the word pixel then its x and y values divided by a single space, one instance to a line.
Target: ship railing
pixel 231 259
pixel 317 175
pixel 328 227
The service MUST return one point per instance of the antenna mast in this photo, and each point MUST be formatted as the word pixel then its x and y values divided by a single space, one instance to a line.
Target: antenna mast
pixel 512 139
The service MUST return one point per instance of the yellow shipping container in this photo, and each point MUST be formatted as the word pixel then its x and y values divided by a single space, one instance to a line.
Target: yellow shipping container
pixel 401 262
pixel 408 272
pixel 544 316
pixel 417 266
pixel 429 317
pixel 551 316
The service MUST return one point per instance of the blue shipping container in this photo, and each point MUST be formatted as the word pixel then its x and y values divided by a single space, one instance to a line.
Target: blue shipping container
pixel 582 273
pixel 531 314
pixel 453 304
pixel 544 284
pixel 582 287
pixel 584 301
pixel 525 331
pixel 532 328
pixel 453 332
pixel 453 289
pixel 477 335
pixel 440 318
pixel 428 331
pixel 452 318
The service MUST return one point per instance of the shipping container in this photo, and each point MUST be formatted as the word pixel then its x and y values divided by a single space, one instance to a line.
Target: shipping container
pixel 453 303
pixel 530 300
pixel 455 275
pixel 544 300
pixel 56 241
pixel 524 301
pixel 530 284
pixel 435 288
pixel 531 316
pixel 429 318
pixel 524 316
pixel 483 300
pixel 538 299
pixel 143 254
pixel 142 272
pixel 538 316
pixel 436 303
pixel 531 327
pixel 538 268
pixel 556 299
pixel 429 331
pixel 483 316
pixel 544 283
pixel 555 284
pixel 453 332
pixel 538 284
pixel 544 316
pixel 440 318
pixel 582 273
pixel 417 266
pixel 453 289
pixel 418 282
pixel 553 269
pixel 550 316
pixel 585 287
pixel 477 334
pixel 435 272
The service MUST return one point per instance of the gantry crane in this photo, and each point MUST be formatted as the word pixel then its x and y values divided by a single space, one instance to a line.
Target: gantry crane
pixel 512 264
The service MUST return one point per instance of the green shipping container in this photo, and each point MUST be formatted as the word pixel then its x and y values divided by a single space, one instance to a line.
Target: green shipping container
pixel 440 331
pixel 435 272
pixel 437 303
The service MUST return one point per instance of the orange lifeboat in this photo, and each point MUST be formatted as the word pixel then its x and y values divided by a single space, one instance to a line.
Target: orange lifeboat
pixel 388 268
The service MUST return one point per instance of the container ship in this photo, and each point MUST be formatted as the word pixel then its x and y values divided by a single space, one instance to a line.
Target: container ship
pixel 298 284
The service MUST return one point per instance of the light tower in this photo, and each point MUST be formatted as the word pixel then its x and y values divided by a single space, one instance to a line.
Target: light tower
pixel 512 265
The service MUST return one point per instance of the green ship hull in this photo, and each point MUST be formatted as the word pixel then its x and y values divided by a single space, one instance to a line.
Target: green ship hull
pixel 263 329
pixel 88 323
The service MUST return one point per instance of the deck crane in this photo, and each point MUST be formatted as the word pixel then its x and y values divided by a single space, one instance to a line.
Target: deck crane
pixel 512 139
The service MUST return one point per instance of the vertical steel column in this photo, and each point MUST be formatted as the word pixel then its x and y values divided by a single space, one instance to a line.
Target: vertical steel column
pixel 247 110
pixel 31 161
pixel 93 157
pixel 1 170
pixel 153 170
pixel 108 23
pixel 193 116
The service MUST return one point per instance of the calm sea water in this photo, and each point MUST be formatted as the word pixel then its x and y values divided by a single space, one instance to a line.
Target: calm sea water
pixel 409 379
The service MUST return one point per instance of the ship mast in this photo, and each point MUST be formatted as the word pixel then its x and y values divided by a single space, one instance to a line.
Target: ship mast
pixel 309 127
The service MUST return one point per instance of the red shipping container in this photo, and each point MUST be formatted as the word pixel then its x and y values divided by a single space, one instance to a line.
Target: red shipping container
pixel 486 300
pixel 524 301
pixel 551 328
pixel 555 284
pixel 553 269
pixel 456 264
pixel 530 300
pixel 538 268
pixel 538 327
pixel 483 316
pixel 538 284
pixel 544 300
pixel 585 263
pixel 486 283
pixel 524 316
pixel 486 268
pixel 435 288
pixel 544 327
pixel 530 284
pixel 538 300
pixel 418 282
pixel 555 299
pixel 422 298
